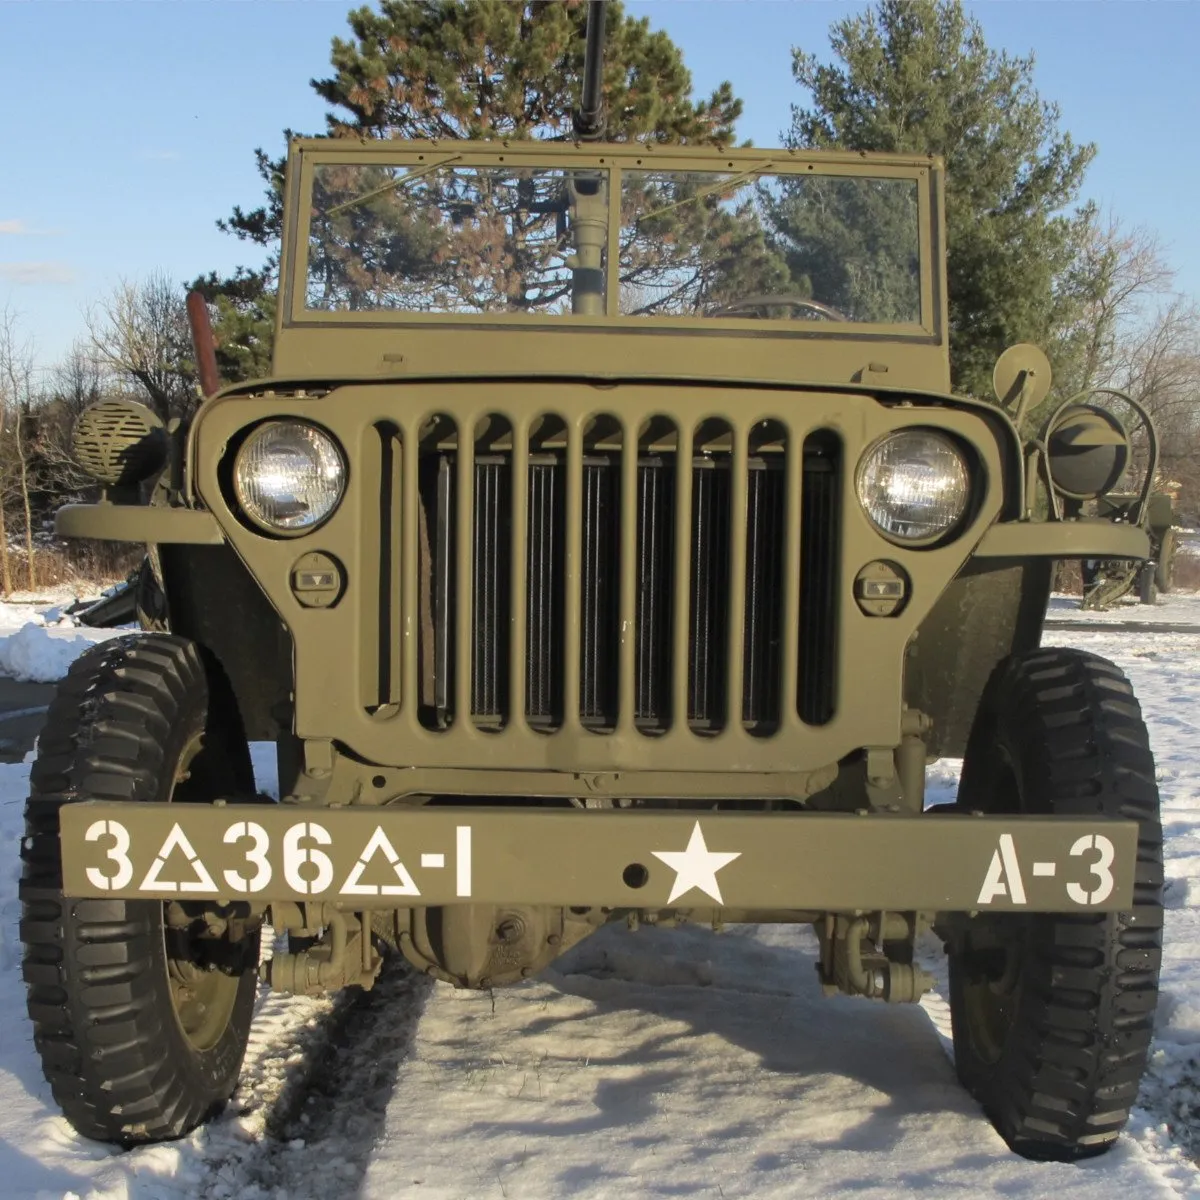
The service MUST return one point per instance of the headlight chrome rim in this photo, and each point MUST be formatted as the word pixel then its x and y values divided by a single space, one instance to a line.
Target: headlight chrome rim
pixel 924 440
pixel 330 460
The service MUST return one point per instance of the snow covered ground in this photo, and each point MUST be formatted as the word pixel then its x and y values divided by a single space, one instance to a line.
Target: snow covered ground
pixel 647 1064
pixel 1173 608
pixel 38 643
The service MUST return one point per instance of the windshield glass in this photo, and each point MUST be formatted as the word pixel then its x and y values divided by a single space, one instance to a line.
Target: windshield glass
pixel 816 247
pixel 441 239
pixel 449 239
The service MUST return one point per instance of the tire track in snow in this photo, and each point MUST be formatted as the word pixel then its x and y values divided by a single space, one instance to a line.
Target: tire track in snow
pixel 309 1110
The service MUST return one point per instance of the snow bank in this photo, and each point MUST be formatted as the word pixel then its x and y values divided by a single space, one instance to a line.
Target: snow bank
pixel 39 647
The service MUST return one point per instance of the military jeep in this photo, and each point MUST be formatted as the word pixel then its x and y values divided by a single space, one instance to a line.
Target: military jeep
pixel 1107 581
pixel 607 546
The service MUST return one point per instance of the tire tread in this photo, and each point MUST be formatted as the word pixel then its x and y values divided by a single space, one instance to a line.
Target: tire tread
pixel 1077 1049
pixel 93 991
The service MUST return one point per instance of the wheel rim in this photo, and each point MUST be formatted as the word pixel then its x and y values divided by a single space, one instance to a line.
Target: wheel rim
pixel 202 994
pixel 203 990
pixel 990 995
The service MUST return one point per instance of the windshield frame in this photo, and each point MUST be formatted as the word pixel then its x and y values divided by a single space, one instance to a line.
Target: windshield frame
pixel 308 153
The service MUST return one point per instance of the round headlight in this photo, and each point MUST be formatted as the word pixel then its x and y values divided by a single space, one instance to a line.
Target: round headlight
pixel 289 476
pixel 913 485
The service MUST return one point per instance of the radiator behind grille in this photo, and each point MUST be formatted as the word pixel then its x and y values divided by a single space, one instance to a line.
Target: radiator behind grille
pixel 544 623
pixel 655 592
pixel 711 502
pixel 599 630
pixel 763 637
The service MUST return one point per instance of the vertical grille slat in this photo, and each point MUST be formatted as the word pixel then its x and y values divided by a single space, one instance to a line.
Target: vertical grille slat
pixel 681 603
pixel 464 536
pixel 632 543
pixel 573 523
pixel 413 614
pixel 519 591
pixel 383 643
pixel 789 658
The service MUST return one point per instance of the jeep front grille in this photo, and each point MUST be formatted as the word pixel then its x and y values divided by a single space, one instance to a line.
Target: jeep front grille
pixel 752 533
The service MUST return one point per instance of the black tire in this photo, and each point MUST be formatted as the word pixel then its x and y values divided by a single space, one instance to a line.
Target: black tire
pixel 110 983
pixel 1053 1013
pixel 1166 560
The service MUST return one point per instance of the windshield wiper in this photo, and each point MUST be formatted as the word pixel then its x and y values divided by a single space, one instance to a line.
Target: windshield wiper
pixel 727 181
pixel 392 184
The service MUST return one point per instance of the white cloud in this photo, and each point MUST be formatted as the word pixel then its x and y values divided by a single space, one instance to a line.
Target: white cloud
pixel 36 272
pixel 19 228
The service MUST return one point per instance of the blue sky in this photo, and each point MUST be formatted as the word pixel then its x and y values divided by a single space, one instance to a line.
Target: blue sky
pixel 130 127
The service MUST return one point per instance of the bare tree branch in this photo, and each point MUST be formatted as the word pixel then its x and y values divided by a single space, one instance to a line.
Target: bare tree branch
pixel 140 333
pixel 16 401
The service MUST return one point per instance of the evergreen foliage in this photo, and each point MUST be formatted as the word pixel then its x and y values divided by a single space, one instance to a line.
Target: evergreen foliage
pixel 496 69
pixel 452 69
pixel 917 76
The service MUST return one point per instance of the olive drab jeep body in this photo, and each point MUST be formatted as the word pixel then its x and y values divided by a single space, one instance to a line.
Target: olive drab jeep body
pixel 608 546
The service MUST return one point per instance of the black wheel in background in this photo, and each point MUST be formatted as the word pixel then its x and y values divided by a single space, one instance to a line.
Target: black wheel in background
pixel 1148 583
pixel 1166 561
pixel 140 1013
pixel 1053 1013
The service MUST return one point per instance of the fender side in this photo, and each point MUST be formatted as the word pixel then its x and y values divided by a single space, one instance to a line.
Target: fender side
pixel 994 607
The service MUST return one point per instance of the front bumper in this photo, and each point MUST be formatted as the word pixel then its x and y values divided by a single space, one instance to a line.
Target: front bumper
pixel 398 857
pixel 138 523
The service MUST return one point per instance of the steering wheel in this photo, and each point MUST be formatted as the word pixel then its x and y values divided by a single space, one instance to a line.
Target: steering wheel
pixel 737 308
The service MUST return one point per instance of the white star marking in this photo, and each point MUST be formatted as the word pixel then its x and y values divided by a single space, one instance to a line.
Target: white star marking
pixel 695 867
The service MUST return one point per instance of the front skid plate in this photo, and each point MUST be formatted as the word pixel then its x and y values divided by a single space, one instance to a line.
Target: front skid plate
pixel 399 857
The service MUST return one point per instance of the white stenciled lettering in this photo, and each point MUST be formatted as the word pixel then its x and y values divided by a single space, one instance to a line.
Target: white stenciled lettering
pixel 295 856
pixel 177 840
pixel 1004 875
pixel 462 860
pixel 256 856
pixel 379 843
pixel 117 853
pixel 1101 870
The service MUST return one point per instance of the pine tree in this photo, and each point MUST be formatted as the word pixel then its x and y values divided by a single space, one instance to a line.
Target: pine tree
pixel 452 69
pixel 497 69
pixel 917 76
